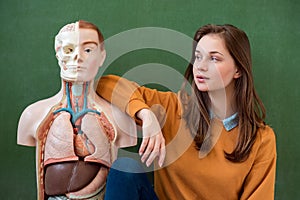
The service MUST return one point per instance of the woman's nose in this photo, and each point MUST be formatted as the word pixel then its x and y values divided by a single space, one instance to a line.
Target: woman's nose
pixel 201 65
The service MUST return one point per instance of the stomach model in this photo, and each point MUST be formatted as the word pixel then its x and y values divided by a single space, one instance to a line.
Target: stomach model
pixel 75 149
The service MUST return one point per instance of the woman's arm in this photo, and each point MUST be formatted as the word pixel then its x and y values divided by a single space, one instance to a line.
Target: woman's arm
pixel 260 182
pixel 122 93
pixel 129 97
pixel 136 101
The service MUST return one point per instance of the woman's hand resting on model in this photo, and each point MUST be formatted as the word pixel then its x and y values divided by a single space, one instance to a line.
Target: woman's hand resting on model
pixel 153 143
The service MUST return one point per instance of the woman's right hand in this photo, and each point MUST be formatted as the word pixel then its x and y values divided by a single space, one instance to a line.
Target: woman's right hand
pixel 153 143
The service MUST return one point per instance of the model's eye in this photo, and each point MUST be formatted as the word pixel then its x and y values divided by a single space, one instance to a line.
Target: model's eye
pixel 89 47
pixel 88 50
pixel 68 49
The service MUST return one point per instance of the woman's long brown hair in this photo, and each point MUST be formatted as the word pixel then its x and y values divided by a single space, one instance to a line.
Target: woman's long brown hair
pixel 251 111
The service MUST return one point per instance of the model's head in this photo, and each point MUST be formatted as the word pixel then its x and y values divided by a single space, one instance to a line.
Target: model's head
pixel 80 51
pixel 88 25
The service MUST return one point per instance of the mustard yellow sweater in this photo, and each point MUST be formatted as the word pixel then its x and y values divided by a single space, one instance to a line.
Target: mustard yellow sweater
pixel 187 174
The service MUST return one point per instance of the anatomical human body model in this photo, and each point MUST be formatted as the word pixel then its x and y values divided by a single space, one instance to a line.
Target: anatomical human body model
pixel 76 133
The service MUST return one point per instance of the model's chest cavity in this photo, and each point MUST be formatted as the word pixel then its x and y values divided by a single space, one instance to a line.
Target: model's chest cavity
pixel 88 138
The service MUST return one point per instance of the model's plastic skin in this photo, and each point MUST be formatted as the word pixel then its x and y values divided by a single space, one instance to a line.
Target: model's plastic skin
pixel 76 133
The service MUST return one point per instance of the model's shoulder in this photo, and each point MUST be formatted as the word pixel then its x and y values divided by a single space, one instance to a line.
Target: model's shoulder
pixel 41 105
pixel 40 108
pixel 31 118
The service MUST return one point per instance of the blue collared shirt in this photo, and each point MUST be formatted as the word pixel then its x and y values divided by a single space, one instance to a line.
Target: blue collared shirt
pixel 230 122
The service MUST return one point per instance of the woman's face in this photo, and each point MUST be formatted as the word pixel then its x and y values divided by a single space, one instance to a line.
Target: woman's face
pixel 214 68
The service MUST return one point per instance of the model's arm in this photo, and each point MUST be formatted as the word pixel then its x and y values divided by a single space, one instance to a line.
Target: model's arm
pixel 260 182
pixel 26 126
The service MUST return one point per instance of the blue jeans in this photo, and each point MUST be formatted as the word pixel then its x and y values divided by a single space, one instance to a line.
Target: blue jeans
pixel 127 180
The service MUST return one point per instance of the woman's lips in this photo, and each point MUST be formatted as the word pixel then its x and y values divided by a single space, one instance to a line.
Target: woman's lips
pixel 201 78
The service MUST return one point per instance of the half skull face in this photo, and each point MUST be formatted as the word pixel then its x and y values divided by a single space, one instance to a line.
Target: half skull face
pixel 78 53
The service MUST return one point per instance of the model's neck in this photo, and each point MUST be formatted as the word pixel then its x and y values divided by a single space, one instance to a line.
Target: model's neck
pixel 77 97
pixel 77 94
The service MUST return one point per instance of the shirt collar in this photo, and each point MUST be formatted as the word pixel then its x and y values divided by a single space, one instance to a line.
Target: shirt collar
pixel 230 122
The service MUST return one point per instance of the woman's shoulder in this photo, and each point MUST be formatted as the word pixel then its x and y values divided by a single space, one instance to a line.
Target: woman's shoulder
pixel 266 134
pixel 265 144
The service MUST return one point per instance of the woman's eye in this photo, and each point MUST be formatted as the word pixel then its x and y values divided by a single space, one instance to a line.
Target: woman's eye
pixel 198 57
pixel 214 59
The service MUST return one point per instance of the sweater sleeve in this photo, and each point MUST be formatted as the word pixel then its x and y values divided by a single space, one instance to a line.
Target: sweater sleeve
pixel 121 92
pixel 129 97
pixel 260 181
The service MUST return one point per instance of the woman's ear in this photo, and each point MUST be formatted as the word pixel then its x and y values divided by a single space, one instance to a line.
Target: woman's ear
pixel 237 73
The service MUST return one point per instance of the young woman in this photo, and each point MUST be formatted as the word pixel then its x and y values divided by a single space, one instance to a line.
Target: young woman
pixel 217 144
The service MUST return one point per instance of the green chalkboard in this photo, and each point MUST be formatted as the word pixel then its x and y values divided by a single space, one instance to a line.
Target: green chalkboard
pixel 29 70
